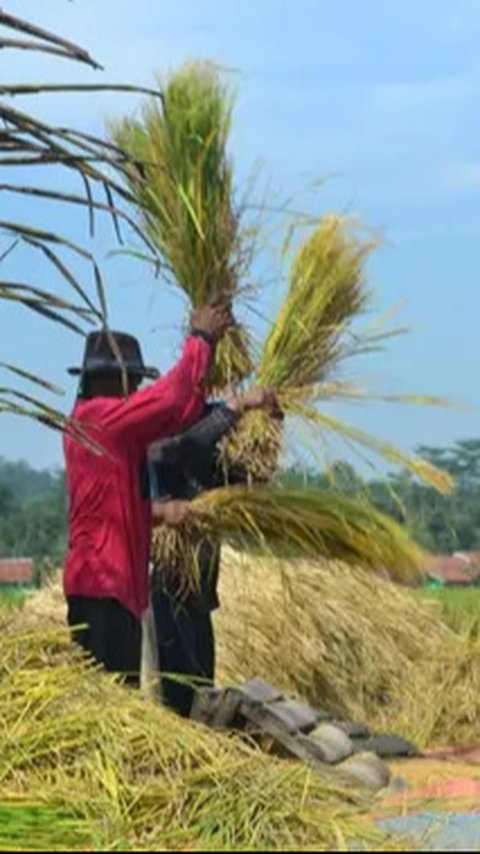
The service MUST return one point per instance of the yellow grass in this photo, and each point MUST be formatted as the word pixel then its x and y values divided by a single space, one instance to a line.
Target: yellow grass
pixel 91 766
pixel 357 645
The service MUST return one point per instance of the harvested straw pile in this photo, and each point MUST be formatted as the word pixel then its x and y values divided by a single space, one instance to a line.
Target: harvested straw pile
pixel 351 643
pixel 347 641
pixel 184 186
pixel 46 609
pixel 87 765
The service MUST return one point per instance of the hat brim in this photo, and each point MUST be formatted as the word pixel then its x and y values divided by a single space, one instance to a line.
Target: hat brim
pixel 149 373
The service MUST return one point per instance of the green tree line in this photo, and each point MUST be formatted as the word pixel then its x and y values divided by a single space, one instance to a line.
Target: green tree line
pixel 442 524
pixel 33 503
pixel 32 513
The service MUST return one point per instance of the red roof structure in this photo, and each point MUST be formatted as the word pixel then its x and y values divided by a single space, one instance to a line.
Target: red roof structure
pixel 16 571
pixel 459 570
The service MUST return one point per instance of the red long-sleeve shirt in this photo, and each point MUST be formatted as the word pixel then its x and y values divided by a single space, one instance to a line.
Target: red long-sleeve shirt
pixel 109 519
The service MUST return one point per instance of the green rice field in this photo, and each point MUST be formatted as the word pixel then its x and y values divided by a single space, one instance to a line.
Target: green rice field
pixel 460 606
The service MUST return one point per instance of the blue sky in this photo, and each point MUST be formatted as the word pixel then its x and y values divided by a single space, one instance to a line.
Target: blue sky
pixel 380 98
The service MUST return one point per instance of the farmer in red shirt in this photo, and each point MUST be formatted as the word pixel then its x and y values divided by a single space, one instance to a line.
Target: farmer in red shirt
pixel 110 518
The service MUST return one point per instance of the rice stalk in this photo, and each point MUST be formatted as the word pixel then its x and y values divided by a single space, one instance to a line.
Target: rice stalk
pixel 255 446
pixel 422 469
pixel 327 293
pixel 315 523
pixel 311 337
pixel 27 826
pixel 186 195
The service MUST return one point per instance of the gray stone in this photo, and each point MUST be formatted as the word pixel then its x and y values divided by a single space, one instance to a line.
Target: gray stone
pixel 367 771
pixel 217 708
pixel 206 702
pixel 324 717
pixel 387 747
pixel 260 690
pixel 331 744
pixel 227 714
pixel 266 725
pixel 354 730
pixel 294 716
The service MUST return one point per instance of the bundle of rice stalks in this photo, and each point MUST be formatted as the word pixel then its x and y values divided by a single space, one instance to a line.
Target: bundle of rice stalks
pixel 312 336
pixel 315 523
pixel 327 293
pixel 353 644
pixel 185 189
pixel 255 447
pixel 309 336
pixel 119 773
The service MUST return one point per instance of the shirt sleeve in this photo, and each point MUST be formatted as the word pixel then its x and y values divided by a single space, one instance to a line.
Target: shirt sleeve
pixel 168 405
pixel 199 438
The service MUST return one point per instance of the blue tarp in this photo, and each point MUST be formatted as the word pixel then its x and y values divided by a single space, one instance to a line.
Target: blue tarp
pixel 438 831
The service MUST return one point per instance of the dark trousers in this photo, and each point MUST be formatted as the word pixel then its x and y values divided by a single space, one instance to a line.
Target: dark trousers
pixel 186 649
pixel 113 636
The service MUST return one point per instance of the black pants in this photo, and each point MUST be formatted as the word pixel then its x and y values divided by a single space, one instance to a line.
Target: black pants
pixel 186 649
pixel 113 636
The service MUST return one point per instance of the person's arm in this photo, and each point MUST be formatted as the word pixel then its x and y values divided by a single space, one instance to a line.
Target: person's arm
pixel 173 402
pixel 198 439
pixel 166 406
pixel 207 432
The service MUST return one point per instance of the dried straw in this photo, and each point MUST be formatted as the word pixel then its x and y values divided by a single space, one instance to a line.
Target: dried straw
pixel 84 758
pixel 351 643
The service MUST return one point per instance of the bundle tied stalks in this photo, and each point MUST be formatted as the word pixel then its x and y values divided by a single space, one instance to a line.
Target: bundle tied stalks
pixel 185 189
pixel 327 292
pixel 255 447
pixel 310 335
pixel 291 523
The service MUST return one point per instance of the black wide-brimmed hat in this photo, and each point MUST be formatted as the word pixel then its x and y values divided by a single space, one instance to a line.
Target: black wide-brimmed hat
pixel 107 352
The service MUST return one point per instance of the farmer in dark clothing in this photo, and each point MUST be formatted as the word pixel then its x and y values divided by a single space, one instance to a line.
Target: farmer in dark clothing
pixel 110 520
pixel 182 468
